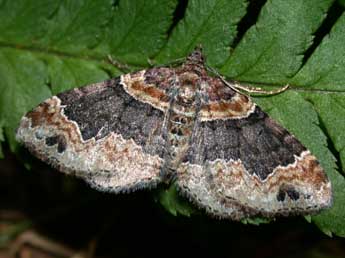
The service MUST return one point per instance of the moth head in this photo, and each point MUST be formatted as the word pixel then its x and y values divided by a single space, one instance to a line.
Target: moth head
pixel 196 57
pixel 196 62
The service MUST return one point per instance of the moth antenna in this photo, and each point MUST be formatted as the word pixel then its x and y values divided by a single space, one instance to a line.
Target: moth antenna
pixel 237 87
pixel 117 64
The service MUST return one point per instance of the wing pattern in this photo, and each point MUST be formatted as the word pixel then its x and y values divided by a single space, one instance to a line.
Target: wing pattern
pixel 178 124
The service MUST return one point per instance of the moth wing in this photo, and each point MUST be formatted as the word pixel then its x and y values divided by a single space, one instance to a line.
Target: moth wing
pixel 242 164
pixel 108 133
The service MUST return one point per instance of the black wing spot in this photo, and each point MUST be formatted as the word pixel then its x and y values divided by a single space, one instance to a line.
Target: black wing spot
pixel 289 191
pixel 293 194
pixel 281 196
pixel 60 140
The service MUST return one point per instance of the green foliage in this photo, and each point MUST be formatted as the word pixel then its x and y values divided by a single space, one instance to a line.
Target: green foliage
pixel 174 203
pixel 138 29
pixel 65 73
pixel 272 49
pixel 25 21
pixel 23 84
pixel 209 23
pixel 49 46
pixel 76 26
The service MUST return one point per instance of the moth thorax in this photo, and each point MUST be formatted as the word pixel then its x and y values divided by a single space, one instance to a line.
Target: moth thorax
pixel 188 86
pixel 187 94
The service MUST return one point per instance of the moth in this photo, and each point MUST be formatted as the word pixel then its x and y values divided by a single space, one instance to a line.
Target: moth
pixel 178 125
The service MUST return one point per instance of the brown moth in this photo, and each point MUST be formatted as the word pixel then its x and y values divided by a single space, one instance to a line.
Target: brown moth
pixel 178 125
